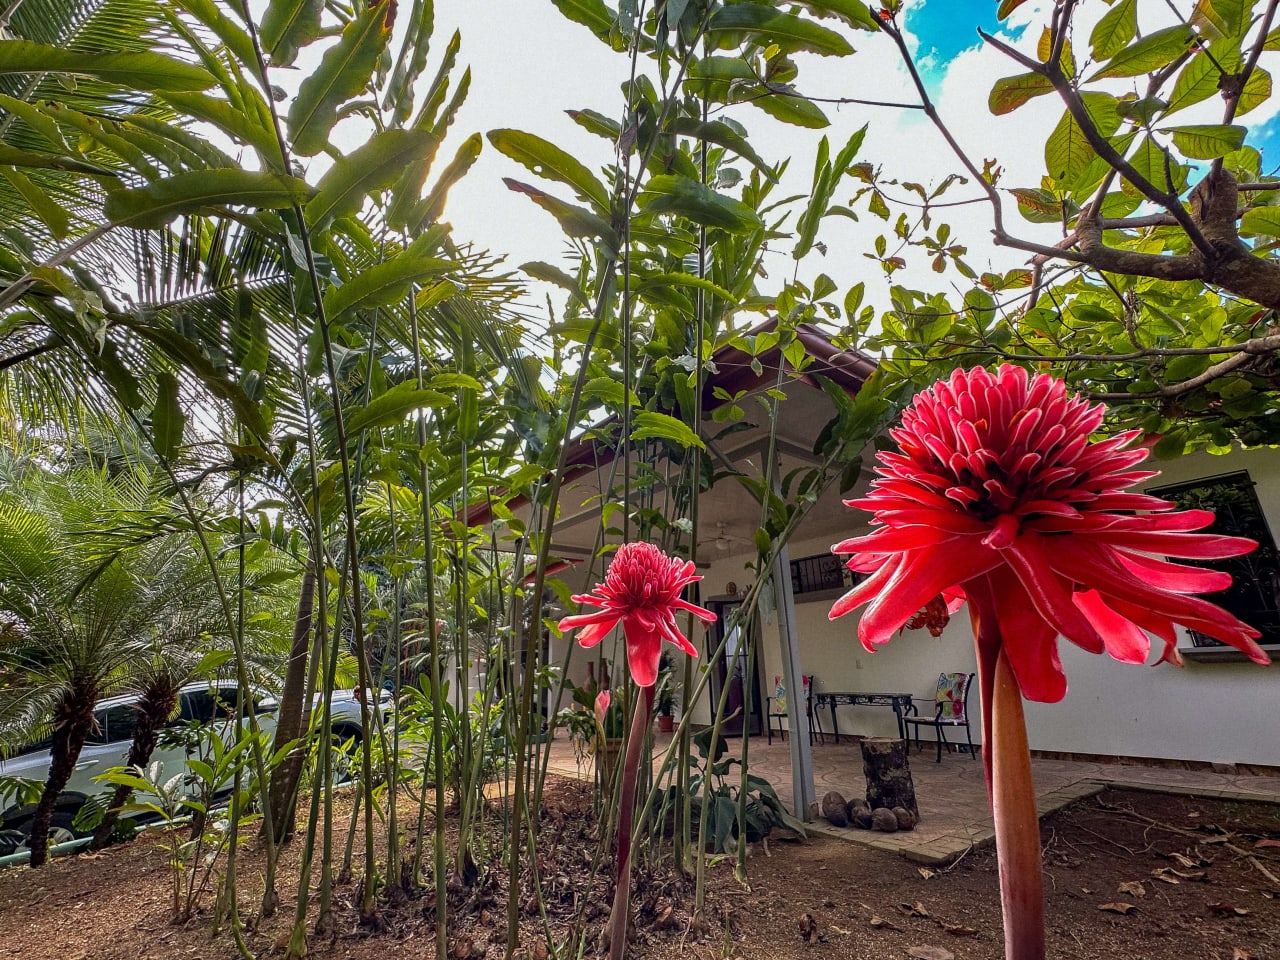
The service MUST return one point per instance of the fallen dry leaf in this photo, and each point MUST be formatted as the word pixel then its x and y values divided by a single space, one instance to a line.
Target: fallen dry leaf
pixel 958 929
pixel 1134 888
pixel 930 953
pixel 1121 908
pixel 1165 874
pixel 1240 953
pixel 1186 862
pixel 840 930
pixel 1267 843
pixel 916 909
pixel 881 923
pixel 540 949
pixel 1227 910
pixel 929 874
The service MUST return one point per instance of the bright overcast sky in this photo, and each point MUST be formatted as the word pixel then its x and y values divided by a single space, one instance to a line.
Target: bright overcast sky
pixel 530 64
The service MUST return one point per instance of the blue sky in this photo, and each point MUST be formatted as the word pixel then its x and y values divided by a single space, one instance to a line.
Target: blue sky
pixel 946 27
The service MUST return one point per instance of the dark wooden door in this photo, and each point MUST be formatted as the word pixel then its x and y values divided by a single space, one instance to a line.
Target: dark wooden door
pixel 731 668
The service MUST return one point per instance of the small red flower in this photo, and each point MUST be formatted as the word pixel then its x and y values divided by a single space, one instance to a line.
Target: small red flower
pixel 999 491
pixel 641 590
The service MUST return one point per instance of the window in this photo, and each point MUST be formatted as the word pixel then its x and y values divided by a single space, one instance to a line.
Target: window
pixel 120 723
pixel 1254 594
pixel 824 571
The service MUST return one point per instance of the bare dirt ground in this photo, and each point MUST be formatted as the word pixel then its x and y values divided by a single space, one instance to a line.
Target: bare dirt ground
pixel 1128 875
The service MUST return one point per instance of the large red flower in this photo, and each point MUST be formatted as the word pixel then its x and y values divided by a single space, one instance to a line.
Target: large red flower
pixel 641 590
pixel 998 490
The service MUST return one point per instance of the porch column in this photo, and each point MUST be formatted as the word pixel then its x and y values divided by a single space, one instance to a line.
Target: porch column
pixel 802 787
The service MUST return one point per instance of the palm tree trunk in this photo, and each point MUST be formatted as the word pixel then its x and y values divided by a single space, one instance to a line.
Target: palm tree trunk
pixel 69 736
pixel 291 719
pixel 154 709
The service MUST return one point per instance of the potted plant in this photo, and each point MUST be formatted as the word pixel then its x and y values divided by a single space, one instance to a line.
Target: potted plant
pixel 665 699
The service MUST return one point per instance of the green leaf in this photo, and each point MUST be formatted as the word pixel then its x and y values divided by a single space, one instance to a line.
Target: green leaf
pixel 1198 79
pixel 783 102
pixel 1117 27
pixel 140 71
pixel 382 284
pixel 723 135
pixel 1155 50
pixel 686 280
pixel 344 72
pixel 1265 220
pixel 391 407
pixel 1225 18
pixel 1148 159
pixel 167 419
pixel 1257 91
pixel 647 424
pixel 373 166
pixel 575 221
pixel 1209 141
pixel 1007 7
pixel 768 26
pixel 1009 93
pixel 287 26
pixel 592 14
pixel 428 210
pixel 50 213
pixel 199 191
pixel 671 193
pixel 549 274
pixel 853 12
pixel 547 160
pixel 237 124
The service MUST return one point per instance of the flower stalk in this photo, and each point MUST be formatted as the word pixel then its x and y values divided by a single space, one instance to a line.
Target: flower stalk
pixel 626 815
pixel 1012 791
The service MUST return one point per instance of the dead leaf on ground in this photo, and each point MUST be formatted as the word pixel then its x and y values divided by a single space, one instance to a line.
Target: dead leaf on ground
pixel 880 923
pixel 916 909
pixel 1121 908
pixel 1227 910
pixel 929 874
pixel 1266 843
pixel 540 949
pixel 930 953
pixel 1240 953
pixel 958 929
pixel 1134 888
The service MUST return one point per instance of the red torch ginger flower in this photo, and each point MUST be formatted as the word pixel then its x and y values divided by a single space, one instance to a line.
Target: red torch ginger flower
pixel 999 491
pixel 602 706
pixel 641 590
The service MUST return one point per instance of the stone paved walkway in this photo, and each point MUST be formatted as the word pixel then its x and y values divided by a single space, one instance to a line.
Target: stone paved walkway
pixel 952 795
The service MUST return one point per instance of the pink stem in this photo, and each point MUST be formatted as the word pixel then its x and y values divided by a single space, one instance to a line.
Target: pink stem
pixel 626 810
pixel 1013 803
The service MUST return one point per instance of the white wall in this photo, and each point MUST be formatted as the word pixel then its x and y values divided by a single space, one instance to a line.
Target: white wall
pixel 1216 712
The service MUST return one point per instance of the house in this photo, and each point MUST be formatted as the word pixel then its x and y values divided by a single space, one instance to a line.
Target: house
pixel 1215 710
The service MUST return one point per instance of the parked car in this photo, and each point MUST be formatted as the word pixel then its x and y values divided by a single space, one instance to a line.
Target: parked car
pixel 108 746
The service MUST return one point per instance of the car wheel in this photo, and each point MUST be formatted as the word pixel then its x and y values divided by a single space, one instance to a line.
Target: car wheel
pixel 61 829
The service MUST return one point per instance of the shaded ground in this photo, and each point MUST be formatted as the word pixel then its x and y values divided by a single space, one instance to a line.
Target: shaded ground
pixel 823 899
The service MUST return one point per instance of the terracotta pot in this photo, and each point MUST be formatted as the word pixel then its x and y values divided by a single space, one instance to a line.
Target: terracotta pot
pixel 666 723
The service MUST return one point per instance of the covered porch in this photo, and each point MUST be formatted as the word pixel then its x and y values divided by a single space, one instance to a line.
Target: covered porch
pixel 952 795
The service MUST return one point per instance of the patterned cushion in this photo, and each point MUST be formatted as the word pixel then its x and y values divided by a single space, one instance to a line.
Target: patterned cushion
pixel 779 696
pixel 950 695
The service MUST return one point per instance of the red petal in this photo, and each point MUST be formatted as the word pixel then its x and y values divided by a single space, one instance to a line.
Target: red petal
pixel 1174 576
pixel 702 613
pixel 1029 558
pixel 644 648
pixel 1125 641
pixel 918 578
pixel 894 539
pixel 1030 641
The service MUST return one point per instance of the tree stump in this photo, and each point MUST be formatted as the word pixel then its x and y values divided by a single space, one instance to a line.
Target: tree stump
pixel 889 783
